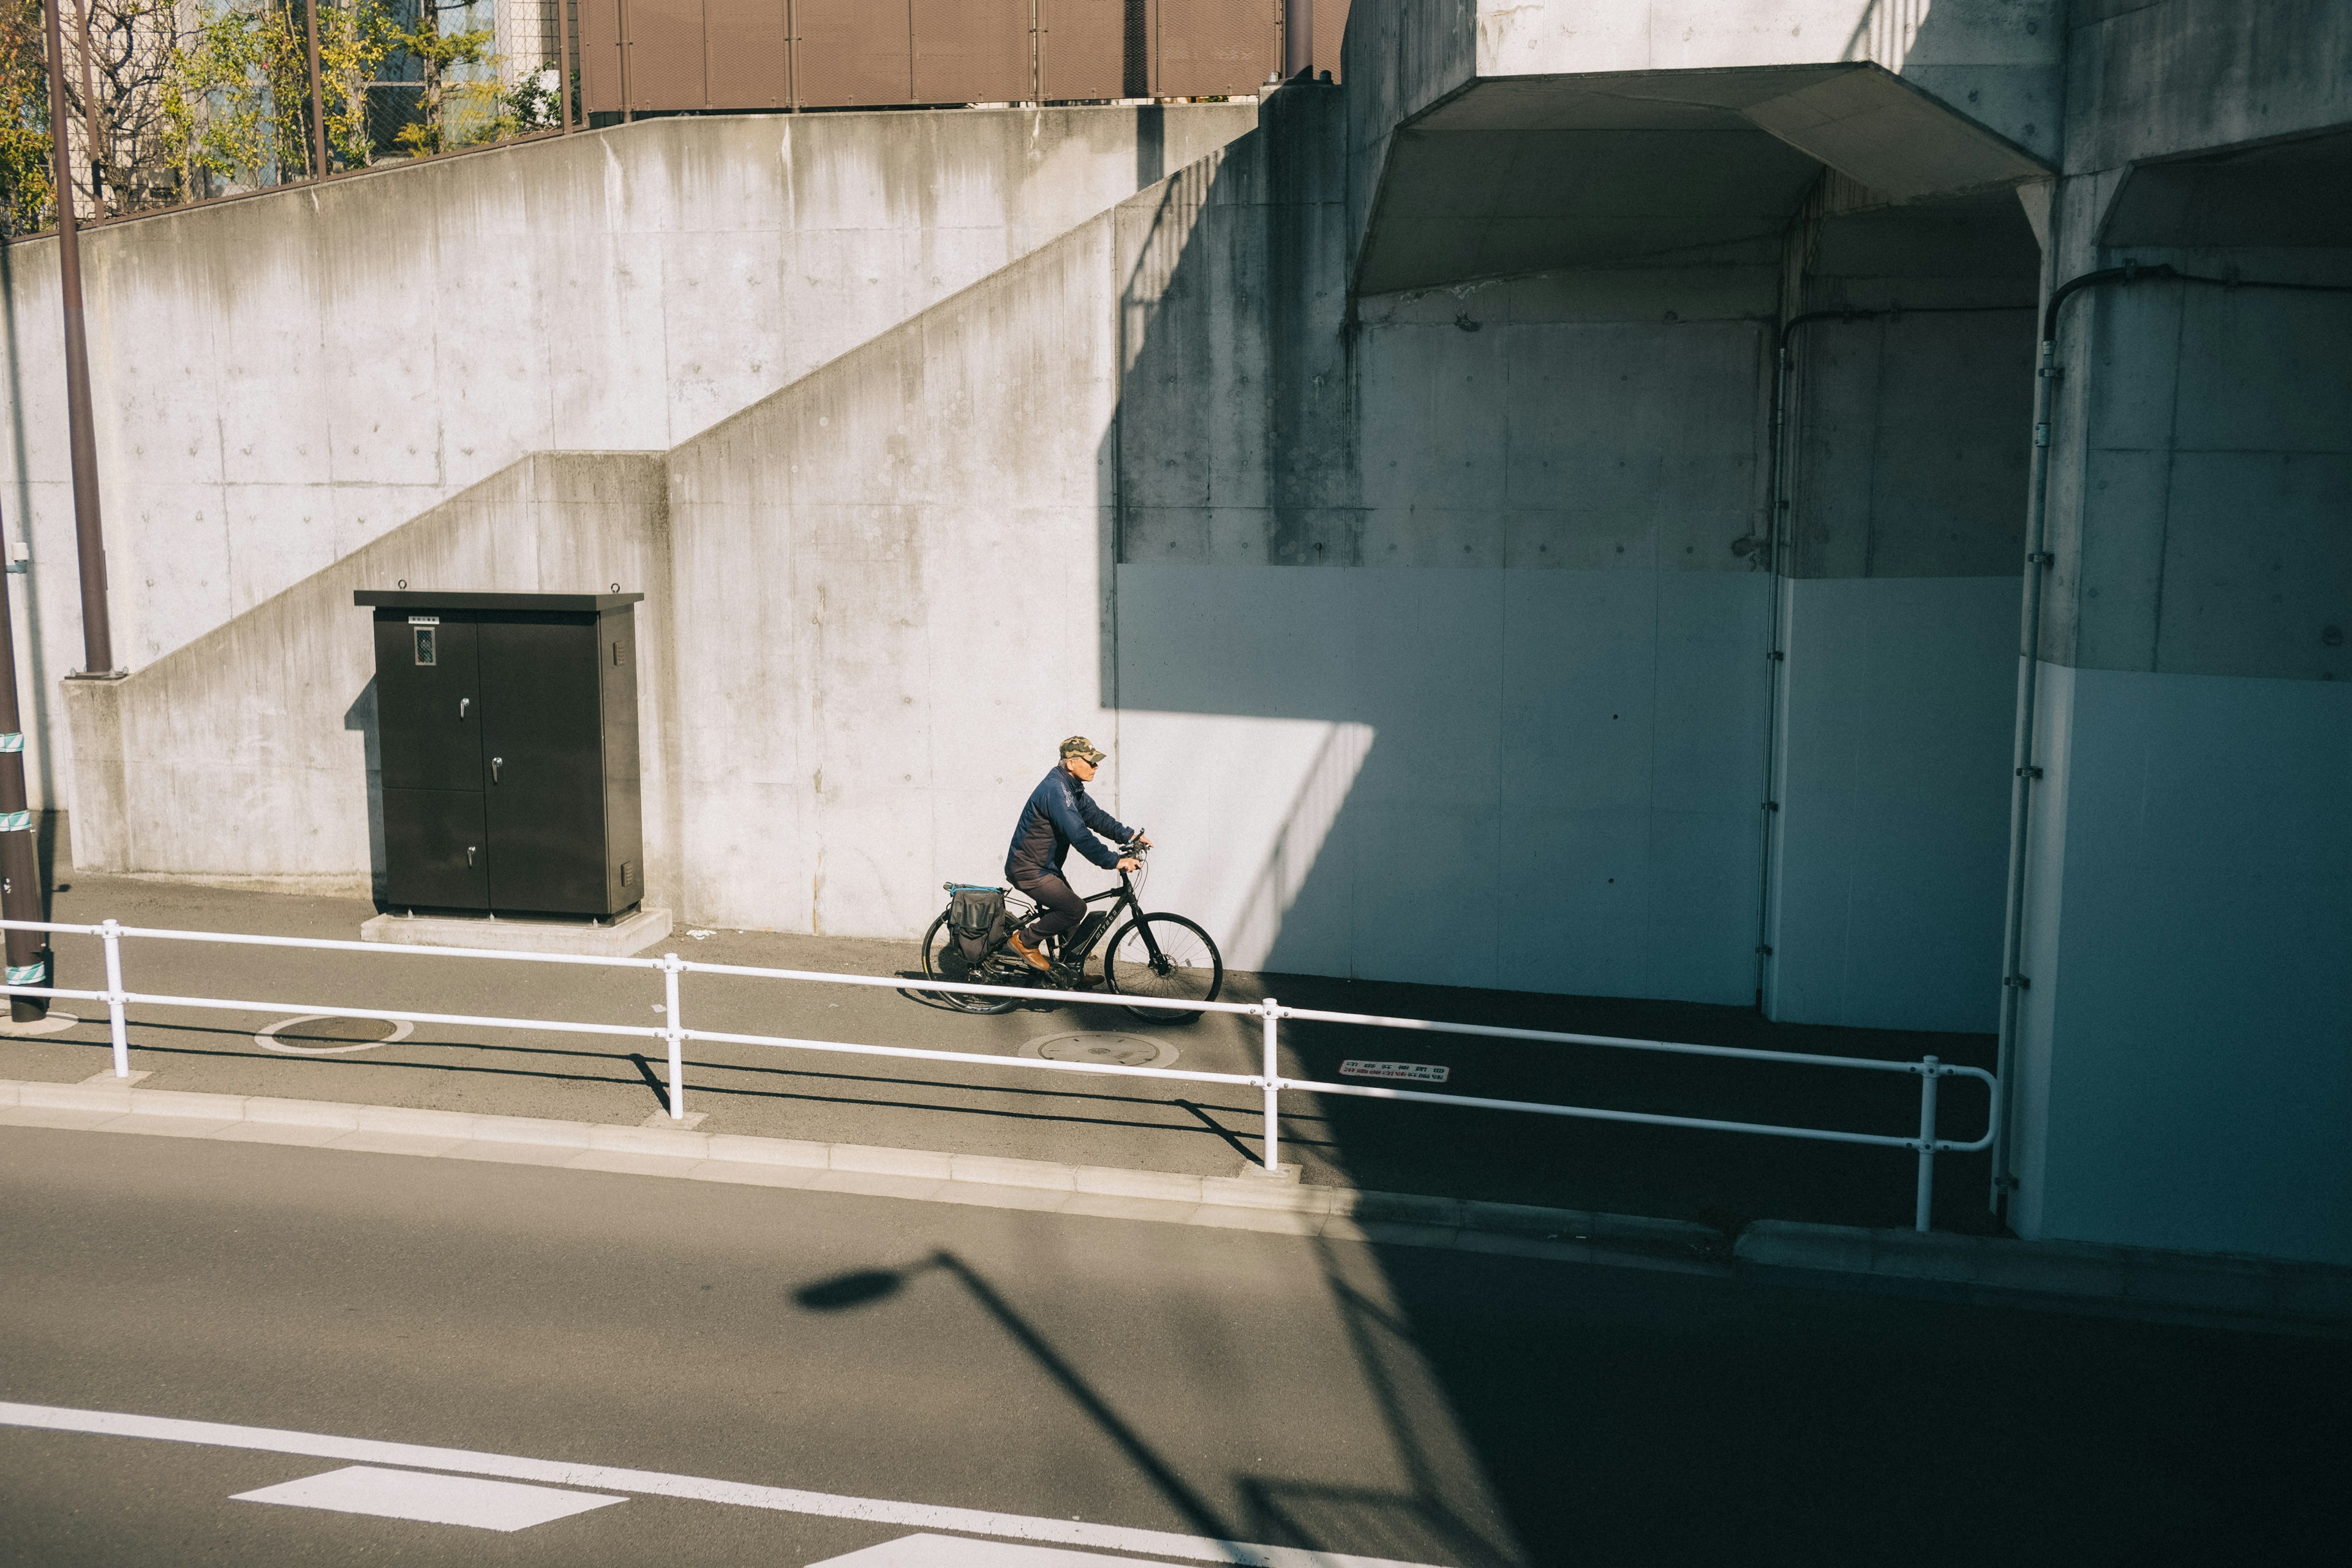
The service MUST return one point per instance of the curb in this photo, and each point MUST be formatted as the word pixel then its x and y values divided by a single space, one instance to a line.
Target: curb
pixel 2195 1289
pixel 1231 1202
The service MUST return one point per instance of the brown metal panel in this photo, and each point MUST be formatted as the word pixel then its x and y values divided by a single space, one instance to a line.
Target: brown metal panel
pixel 1330 27
pixel 1210 48
pixel 1084 47
pixel 855 52
pixel 664 53
pixel 745 63
pixel 600 57
pixel 971 51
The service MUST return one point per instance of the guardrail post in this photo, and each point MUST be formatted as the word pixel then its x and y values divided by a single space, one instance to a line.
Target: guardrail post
pixel 1273 1011
pixel 1930 1069
pixel 677 1032
pixel 110 934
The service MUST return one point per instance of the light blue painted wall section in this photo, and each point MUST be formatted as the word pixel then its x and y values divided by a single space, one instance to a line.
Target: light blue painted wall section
pixel 2188 1024
pixel 1894 793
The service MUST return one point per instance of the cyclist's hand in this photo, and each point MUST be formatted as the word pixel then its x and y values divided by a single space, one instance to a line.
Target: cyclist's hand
pixel 1144 839
pixel 1130 863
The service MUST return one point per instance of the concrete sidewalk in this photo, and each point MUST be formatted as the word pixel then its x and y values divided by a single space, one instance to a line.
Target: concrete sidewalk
pixel 993 1109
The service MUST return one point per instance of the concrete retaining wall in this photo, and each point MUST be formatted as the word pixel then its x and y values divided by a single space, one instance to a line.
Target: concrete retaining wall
pixel 280 380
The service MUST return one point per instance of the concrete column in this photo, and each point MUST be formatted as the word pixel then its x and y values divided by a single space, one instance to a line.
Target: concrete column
pixel 2184 1070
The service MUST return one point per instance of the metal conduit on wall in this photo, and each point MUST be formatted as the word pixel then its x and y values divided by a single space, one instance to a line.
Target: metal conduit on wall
pixel 641 56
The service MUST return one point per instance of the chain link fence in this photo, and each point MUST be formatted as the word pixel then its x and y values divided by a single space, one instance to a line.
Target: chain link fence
pixel 171 101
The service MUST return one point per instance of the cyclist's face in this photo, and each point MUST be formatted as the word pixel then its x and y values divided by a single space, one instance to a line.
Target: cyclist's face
pixel 1080 769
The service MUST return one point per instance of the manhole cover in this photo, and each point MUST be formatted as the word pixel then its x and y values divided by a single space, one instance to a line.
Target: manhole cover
pixel 1107 1050
pixel 329 1035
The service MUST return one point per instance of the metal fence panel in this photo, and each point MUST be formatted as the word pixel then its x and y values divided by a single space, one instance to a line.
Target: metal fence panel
pixel 663 53
pixel 854 52
pixel 971 51
pixel 1211 48
pixel 1085 45
pixel 748 64
pixel 600 57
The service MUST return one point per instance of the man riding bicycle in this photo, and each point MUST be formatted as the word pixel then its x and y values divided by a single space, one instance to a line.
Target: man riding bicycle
pixel 1058 813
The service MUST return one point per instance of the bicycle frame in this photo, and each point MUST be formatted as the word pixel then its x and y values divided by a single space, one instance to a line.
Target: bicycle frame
pixel 1121 898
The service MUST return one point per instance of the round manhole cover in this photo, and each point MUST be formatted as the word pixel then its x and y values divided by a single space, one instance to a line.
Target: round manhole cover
pixel 329 1035
pixel 1105 1049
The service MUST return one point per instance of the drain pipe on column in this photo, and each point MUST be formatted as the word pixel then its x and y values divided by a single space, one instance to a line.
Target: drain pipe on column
pixel 2024 772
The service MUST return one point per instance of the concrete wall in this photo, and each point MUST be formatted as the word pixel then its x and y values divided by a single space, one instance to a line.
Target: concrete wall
pixel 1906 472
pixel 1502 670
pixel 282 379
pixel 2185 1046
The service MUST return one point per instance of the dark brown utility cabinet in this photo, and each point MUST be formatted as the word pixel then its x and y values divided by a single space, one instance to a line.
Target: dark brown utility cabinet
pixel 507 724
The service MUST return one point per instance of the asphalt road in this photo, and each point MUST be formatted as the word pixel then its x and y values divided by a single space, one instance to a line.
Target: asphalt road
pixel 1065 1376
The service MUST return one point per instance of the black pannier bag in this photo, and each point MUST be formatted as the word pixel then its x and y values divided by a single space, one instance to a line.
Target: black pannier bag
pixel 977 917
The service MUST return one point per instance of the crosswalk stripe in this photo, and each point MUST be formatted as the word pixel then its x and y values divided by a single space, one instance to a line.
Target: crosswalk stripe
pixel 698 1489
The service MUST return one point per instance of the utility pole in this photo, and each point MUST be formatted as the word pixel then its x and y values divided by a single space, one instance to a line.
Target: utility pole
pixel 318 102
pixel 20 863
pixel 89 540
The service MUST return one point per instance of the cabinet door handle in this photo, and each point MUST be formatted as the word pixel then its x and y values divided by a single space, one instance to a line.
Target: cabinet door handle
pixel 469 855
pixel 494 768
pixel 461 706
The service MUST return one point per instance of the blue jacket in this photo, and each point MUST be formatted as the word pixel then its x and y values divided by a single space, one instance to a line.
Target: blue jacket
pixel 1058 813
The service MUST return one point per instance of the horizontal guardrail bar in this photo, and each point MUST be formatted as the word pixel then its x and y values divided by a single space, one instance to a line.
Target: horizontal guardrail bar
pixel 392 1015
pixel 330 944
pixel 917 1053
pixel 1495 1031
pixel 967 988
pixel 1645 1118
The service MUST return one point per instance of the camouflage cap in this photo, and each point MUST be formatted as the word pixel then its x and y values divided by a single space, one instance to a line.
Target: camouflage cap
pixel 1079 746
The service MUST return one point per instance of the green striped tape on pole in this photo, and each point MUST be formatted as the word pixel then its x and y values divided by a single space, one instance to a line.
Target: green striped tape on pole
pixel 26 973
pixel 12 740
pixel 16 822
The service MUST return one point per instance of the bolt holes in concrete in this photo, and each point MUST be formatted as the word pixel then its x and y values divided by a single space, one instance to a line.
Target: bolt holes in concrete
pixel 329 1035
pixel 1107 1050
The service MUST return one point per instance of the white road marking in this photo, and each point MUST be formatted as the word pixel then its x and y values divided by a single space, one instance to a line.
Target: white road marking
pixel 694 1488
pixel 951 1552
pixel 435 1500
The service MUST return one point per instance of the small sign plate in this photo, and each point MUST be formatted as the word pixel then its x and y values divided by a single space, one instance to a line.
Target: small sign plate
pixel 1412 1072
pixel 423 620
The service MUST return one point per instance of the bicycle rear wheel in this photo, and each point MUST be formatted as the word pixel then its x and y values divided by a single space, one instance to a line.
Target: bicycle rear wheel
pixel 1166 956
pixel 938 941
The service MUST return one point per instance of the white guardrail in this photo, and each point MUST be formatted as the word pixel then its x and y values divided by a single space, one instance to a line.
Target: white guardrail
pixel 1270 1081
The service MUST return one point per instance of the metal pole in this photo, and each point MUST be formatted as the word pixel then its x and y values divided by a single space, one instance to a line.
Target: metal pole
pixel 89 101
pixel 20 867
pixel 318 99
pixel 96 631
pixel 670 967
pixel 1297 39
pixel 110 934
pixel 1273 1077
pixel 1930 1070
pixel 564 59
pixel 628 104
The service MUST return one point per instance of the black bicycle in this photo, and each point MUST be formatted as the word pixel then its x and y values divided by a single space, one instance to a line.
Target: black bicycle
pixel 1154 954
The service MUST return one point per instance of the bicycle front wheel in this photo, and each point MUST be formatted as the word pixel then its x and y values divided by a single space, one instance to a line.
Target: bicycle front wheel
pixel 1166 956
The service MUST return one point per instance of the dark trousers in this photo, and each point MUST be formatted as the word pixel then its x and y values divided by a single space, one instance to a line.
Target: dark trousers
pixel 1058 905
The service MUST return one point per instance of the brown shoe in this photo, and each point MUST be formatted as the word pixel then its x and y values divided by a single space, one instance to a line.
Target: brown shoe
pixel 1029 956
